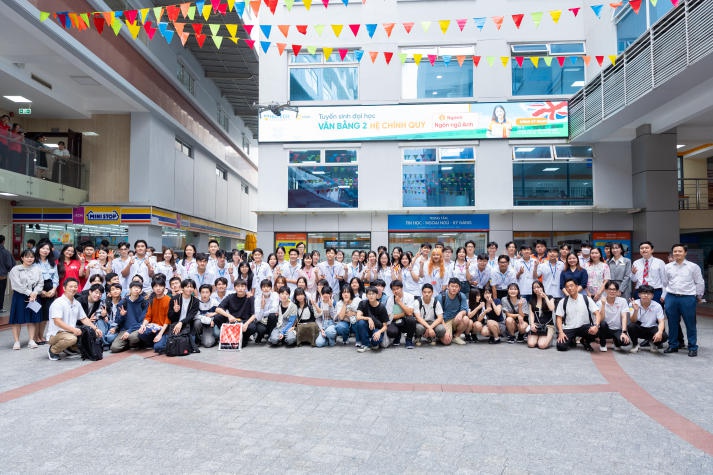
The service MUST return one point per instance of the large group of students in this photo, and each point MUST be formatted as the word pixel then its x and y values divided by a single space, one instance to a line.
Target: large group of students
pixel 137 298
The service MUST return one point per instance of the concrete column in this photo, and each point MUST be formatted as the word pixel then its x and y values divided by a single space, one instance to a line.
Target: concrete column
pixel 149 233
pixel 654 188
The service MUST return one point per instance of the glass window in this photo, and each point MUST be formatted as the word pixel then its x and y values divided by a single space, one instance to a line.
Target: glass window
pixel 312 80
pixel 184 148
pixel 531 152
pixel 546 76
pixel 347 242
pixel 630 26
pixel 432 179
pixel 573 151
pixel 412 241
pixel 442 79
pixel 552 183
pixel 323 179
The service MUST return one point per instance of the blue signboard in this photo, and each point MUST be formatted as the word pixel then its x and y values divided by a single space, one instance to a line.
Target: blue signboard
pixel 439 222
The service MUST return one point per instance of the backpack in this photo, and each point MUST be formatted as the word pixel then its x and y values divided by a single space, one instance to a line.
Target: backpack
pixel 444 295
pixel 564 310
pixel 90 345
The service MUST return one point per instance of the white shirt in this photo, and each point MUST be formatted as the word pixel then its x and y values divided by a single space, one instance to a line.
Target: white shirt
pixel 551 277
pixel 480 277
pixel 657 269
pixel 200 279
pixel 139 267
pixel 331 273
pixel 260 272
pixel 430 311
pixel 649 317
pixel 95 268
pixel 683 279
pixel 218 272
pixel 411 285
pixel 407 300
pixel 68 312
pixel 291 273
pixel 117 265
pixel 502 280
pixel 614 312
pixel 525 280
pixel 265 306
pixel 577 313
pixel 165 269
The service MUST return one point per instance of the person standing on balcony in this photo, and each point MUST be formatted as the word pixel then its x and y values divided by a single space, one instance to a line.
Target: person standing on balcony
pixel 59 167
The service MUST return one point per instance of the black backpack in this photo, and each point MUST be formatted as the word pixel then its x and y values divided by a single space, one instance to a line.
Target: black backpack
pixel 564 310
pixel 90 345
pixel 178 345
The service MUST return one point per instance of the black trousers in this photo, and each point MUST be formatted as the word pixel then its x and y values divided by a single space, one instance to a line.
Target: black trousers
pixel 402 325
pixel 606 333
pixel 645 333
pixel 572 334
pixel 262 330
pixel 3 288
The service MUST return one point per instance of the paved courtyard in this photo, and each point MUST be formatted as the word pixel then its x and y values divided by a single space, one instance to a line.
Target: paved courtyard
pixel 474 409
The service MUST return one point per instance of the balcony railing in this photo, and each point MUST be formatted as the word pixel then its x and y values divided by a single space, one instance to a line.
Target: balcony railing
pixel 679 39
pixel 695 193
pixel 34 159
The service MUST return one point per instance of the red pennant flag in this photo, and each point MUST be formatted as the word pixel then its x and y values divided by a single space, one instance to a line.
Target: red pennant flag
pixel 197 27
pixel 373 55
pixel 388 55
pixel 280 47
pixel 635 5
pixel 519 60
pixel 248 28
pixel 343 53
pixel 476 60
pixel 99 23
pixel 675 3
pixel 600 59
pixel 302 29
pixel 355 28
pixel 284 29
pixel 408 26
pixel 560 59
pixel 388 28
pixel 172 11
pixel 325 3
pixel 461 23
pixel 272 5
pixel 214 4
pixel 575 11
pixel 200 39
pixel 296 49
pixel 150 31
pixel 222 9
pixel 255 6
pixel 251 43
pixel 517 19
pixel 432 58
pixel 130 15
pixel 62 19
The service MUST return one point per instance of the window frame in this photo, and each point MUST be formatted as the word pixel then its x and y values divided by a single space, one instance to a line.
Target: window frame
pixel 183 147
pixel 323 63
pixel 439 51
pixel 539 53
pixel 323 163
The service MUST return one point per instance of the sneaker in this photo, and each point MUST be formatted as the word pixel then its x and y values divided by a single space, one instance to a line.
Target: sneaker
pixel 432 342
pixel 511 339
pixel 418 342
pixel 409 344
pixel 31 344
pixel 71 352
pixel 468 337
pixel 634 349
pixel 345 343
pixel 491 340
pixel 645 344
pixel 16 345
pixel 396 343
pixel 603 348
pixel 497 341
pixel 474 338
pixel 52 356
pixel 458 341
pixel 520 338
pixel 587 346
pixel 361 349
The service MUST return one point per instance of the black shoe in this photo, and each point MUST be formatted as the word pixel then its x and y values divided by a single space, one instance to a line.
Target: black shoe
pixel 474 338
pixel 692 353
pixel 468 338
pixel 511 339
pixel 681 345
pixel 195 350
pixel 587 346
pixel 670 350
pixel 496 341
pixel 645 344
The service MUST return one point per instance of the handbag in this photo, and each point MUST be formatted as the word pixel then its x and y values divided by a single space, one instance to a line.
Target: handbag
pixel 178 345
pixel 47 285
pixel 231 336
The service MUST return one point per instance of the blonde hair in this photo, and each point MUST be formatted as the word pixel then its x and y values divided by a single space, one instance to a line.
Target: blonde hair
pixel 441 265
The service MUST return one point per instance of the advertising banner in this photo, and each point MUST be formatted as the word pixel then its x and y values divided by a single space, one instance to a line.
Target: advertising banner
pixel 500 120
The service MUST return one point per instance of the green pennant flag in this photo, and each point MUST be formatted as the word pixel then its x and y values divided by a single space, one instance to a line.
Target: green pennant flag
pixel 490 60
pixel 536 18
pixel 288 4
pixel 44 16
pixel 116 26
pixel 85 17
pixel 312 50
pixel 158 13
pixel 402 57
pixel 319 29
pixel 547 60
pixel 217 40
pixel 191 12
pixel 214 27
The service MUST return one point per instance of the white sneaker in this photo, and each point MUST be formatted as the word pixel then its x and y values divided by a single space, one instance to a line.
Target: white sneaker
pixel 603 348
pixel 634 349
pixel 458 341
pixel 16 345
pixel 32 345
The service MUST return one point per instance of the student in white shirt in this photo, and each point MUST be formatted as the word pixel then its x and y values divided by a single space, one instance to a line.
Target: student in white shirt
pixel 167 266
pixel 141 265
pixel 523 271
pixel 614 318
pixel 220 268
pixel 291 270
pixel 200 275
pixel 332 270
pixel 648 270
pixel 118 264
pixel 267 305
pixel 648 321
pixel 65 311
pixel 577 315
pixel 550 272
pixel 99 266
pixel 189 262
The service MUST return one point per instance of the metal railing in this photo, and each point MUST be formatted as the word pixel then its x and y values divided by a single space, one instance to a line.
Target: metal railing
pixel 695 193
pixel 30 158
pixel 680 38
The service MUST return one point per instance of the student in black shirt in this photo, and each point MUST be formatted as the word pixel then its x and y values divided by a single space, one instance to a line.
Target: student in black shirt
pixel 238 307
pixel 372 321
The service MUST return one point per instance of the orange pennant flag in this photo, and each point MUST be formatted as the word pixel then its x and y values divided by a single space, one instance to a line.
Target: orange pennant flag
pixel 586 59
pixel 517 19
pixel 408 26
pixel 444 24
pixel 184 9
pixel 284 29
pixel 556 14
pixel 184 38
pixel 373 55
pixel 460 58
pixel 179 28
pixel 498 20
pixel 280 47
pixel 108 17
pixel 389 27
pixel 255 6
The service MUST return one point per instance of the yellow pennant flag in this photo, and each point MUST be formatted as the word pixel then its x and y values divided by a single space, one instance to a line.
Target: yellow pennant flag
pixel 535 61
pixel 417 58
pixel 504 60
pixel 425 25
pixel 234 39
pixel 231 5
pixel 134 28
pixel 206 11
pixel 217 41
pixel 232 29
pixel 612 58
pixel 144 12
pixel 308 4
pixel 444 24
pixel 556 14
pixel 327 53
pixel 337 29
pixel 44 16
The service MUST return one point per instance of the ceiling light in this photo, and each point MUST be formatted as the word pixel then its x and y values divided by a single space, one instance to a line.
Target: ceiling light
pixel 18 99
pixel 680 146
pixel 578 84
pixel 550 169
pixel 439 77
pixel 7 194
pixel 435 93
pixel 318 172
pixel 447 168
pixel 90 134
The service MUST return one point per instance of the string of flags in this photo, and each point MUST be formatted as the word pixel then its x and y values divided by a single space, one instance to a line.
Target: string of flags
pixel 137 20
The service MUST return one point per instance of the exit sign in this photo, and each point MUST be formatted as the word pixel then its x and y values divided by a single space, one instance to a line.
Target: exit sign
pixel 25 111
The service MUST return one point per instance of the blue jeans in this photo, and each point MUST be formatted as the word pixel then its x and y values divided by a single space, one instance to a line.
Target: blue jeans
pixel 160 347
pixel 364 334
pixel 344 328
pixel 107 338
pixel 330 332
pixel 677 307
